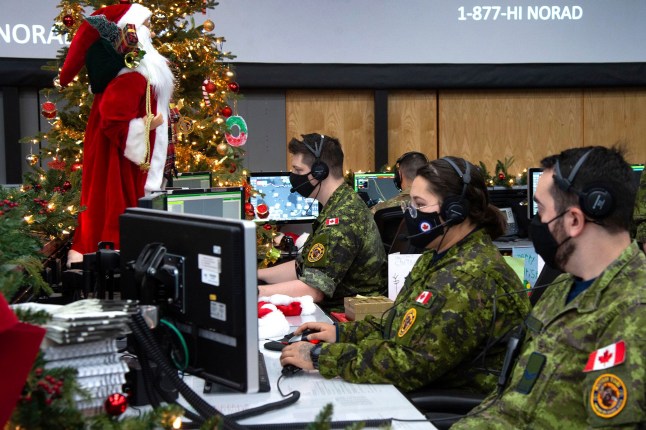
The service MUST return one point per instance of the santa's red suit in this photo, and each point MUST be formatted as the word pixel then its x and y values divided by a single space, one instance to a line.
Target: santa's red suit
pixel 115 146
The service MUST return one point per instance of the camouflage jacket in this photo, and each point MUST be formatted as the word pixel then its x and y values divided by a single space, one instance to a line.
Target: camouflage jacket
pixel 639 217
pixel 439 326
pixel 344 255
pixel 582 384
pixel 392 202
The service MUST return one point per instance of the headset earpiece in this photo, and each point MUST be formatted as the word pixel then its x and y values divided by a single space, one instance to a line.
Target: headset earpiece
pixel 596 201
pixel 320 169
pixel 455 209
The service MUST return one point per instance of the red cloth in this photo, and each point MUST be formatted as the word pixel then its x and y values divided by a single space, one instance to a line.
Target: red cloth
pixel 20 343
pixel 290 310
pixel 111 182
pixel 263 311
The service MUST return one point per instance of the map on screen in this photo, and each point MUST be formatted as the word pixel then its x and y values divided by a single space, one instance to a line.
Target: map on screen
pixel 283 205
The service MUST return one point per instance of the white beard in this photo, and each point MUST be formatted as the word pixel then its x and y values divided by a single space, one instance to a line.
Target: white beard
pixel 155 67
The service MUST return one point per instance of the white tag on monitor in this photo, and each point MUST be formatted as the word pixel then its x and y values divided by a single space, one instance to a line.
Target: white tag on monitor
pixel 211 278
pixel 209 262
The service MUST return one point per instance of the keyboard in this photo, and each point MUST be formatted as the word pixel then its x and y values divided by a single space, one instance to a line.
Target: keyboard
pixel 263 377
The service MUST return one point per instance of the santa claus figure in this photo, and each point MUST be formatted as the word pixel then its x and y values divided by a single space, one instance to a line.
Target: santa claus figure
pixel 126 139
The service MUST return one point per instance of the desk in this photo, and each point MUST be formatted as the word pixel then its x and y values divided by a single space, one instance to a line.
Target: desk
pixel 350 401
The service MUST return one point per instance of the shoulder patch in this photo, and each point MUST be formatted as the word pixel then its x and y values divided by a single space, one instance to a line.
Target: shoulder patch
pixel 425 298
pixel 608 396
pixel 606 357
pixel 332 221
pixel 407 322
pixel 317 251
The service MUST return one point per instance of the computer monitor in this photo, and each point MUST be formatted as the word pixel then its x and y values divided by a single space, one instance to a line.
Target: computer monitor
pixel 375 187
pixel 284 206
pixel 192 180
pixel 205 284
pixel 154 200
pixel 511 202
pixel 221 202
pixel 533 173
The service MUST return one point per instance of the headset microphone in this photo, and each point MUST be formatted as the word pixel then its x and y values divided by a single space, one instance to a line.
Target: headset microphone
pixel 293 189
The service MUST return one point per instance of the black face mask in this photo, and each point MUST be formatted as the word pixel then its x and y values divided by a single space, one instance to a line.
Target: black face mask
pixel 302 185
pixel 544 242
pixel 423 229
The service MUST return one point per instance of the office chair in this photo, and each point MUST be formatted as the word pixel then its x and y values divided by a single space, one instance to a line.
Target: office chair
pixel 447 406
pixel 388 221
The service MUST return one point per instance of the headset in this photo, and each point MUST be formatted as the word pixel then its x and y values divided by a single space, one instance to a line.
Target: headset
pixel 398 174
pixel 596 200
pixel 455 209
pixel 320 169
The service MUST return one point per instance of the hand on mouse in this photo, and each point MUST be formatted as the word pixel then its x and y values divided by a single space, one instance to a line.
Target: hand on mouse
pixel 317 331
pixel 297 354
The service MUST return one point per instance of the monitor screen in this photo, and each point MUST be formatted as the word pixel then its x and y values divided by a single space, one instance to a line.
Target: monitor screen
pixel 192 180
pixel 221 202
pixel 154 200
pixel 205 284
pixel 273 189
pixel 533 173
pixel 375 187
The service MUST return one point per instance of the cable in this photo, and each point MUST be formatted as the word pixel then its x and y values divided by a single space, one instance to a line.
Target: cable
pixel 182 341
pixel 385 422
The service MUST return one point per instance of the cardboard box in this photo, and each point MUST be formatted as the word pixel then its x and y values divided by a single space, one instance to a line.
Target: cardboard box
pixel 357 308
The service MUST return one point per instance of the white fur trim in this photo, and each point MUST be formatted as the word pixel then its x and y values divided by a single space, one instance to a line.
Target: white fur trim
pixel 158 159
pixel 301 241
pixel 274 324
pixel 137 15
pixel 307 302
pixel 135 150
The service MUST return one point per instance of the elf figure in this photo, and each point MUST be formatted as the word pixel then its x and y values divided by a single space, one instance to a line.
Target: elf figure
pixel 126 139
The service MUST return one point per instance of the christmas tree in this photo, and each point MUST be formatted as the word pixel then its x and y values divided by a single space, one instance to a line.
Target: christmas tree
pixel 206 132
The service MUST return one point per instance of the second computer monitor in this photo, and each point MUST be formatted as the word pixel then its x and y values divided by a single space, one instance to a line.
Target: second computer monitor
pixel 284 206
pixel 532 181
pixel 375 187
pixel 221 202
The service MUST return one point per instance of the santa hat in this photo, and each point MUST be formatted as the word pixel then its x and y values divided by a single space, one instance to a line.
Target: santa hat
pixel 20 345
pixel 272 311
pixel 87 35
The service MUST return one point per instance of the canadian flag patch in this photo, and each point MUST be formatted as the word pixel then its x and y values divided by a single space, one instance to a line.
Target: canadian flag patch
pixel 606 357
pixel 424 297
pixel 332 221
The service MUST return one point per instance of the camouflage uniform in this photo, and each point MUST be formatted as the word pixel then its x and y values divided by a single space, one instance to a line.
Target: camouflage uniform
pixel 639 217
pixel 344 255
pixel 439 325
pixel 403 196
pixel 569 336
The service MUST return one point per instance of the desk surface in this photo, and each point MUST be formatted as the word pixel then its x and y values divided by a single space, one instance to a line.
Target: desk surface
pixel 349 401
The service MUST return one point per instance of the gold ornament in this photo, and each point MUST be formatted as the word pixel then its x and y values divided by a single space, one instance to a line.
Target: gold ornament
pixel 185 125
pixel 230 74
pixel 32 159
pixel 159 18
pixel 208 25
pixel 222 148
pixel 219 120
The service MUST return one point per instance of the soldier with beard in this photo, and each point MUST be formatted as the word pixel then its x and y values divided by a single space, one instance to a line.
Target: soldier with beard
pixel 583 361
pixel 126 139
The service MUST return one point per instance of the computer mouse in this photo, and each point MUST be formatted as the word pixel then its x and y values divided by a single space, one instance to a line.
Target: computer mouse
pixel 303 336
pixel 290 369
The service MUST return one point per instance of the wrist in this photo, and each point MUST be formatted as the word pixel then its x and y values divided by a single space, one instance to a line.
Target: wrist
pixel 315 352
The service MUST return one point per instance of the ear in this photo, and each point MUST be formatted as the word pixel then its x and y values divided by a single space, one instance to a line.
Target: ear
pixel 574 222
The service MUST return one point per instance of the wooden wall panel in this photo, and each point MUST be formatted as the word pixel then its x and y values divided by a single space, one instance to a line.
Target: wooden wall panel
pixel 412 123
pixel 616 115
pixel 347 115
pixel 489 125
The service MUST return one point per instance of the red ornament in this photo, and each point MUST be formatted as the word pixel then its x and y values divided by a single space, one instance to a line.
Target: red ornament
pixel 226 111
pixel 76 166
pixel 116 404
pixel 233 168
pixel 67 185
pixel 267 227
pixel 234 87
pixel 68 20
pixel 210 87
pixel 262 211
pixel 249 210
pixel 501 176
pixel 48 110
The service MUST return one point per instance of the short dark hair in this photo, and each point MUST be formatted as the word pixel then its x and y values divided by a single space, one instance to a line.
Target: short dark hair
pixel 410 162
pixel 331 152
pixel 605 167
pixel 445 182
